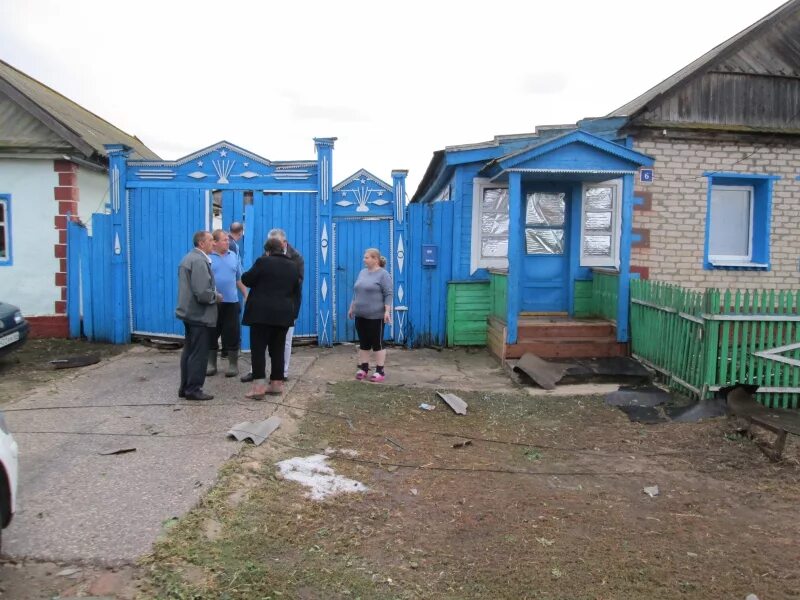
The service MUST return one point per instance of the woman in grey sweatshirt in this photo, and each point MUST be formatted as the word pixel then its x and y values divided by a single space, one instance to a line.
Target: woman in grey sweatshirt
pixel 372 309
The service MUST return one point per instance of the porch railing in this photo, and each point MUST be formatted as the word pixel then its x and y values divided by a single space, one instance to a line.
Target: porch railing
pixel 702 341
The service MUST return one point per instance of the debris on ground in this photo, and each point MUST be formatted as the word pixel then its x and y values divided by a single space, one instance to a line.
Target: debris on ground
pixel 255 432
pixel 341 451
pixel 117 451
pixel 651 491
pixel 313 472
pixel 650 404
pixel 781 422
pixel 454 402
pixel 425 406
pixel 545 374
pixel 71 362
pixel 462 443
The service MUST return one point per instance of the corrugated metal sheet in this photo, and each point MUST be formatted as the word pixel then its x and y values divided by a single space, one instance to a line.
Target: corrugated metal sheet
pixel 768 47
pixel 91 128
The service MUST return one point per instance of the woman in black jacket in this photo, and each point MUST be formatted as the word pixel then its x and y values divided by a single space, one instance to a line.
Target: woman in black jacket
pixel 269 311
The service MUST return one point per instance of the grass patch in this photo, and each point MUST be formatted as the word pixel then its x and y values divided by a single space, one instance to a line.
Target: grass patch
pixel 500 517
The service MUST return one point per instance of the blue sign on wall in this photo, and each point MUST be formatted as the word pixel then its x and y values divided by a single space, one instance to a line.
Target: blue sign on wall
pixel 430 255
pixel 646 175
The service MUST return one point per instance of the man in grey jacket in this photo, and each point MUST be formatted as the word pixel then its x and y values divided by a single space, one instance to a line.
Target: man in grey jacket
pixel 197 308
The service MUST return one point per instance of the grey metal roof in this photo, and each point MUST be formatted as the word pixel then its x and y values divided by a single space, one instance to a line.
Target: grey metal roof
pixel 701 64
pixel 85 130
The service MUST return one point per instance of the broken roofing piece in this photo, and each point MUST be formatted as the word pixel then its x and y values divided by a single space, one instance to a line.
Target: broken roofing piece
pixel 454 402
pixel 256 432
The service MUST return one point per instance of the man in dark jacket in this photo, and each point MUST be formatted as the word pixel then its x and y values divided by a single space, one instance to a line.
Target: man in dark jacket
pixel 270 310
pixel 297 258
pixel 197 308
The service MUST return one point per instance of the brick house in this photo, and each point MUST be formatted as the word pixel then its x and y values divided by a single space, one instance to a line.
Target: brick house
pixel 693 182
pixel 52 164
pixel 721 209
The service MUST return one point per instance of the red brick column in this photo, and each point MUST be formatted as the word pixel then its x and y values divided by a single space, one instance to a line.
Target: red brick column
pixel 67 197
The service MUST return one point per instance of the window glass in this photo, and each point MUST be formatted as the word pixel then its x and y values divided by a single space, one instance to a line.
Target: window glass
pixel 730 223
pixel 494 223
pixel 599 226
pixel 545 209
pixel 544 241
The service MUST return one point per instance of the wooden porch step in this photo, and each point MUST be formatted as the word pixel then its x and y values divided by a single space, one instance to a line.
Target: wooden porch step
pixel 567 348
pixel 567 329
pixel 556 338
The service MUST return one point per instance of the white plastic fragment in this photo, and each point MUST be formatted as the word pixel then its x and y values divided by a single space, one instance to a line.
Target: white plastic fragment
pixel 651 491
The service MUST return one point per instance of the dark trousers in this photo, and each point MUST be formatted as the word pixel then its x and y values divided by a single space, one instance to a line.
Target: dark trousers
pixel 370 333
pixel 227 327
pixel 193 358
pixel 265 338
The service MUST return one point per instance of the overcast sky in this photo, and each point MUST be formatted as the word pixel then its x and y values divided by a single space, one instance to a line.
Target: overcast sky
pixel 394 81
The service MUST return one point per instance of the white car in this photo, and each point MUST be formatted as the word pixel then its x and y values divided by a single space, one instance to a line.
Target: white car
pixel 8 474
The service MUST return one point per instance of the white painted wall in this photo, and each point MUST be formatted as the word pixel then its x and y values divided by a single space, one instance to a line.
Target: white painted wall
pixel 94 190
pixel 30 281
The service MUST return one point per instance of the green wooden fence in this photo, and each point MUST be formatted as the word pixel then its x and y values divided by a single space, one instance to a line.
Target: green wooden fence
pixel 701 341
pixel 468 305
pixel 605 292
pixel 498 294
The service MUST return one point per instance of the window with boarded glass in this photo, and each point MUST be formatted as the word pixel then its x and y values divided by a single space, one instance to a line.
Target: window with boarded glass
pixel 600 225
pixel 489 225
pixel 544 223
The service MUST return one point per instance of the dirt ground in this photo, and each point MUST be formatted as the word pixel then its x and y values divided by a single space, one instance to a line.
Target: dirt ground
pixel 524 497
pixel 527 496
pixel 28 367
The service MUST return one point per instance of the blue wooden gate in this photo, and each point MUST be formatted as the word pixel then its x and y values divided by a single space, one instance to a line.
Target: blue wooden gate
pixel 155 207
pixel 162 222
pixel 351 237
pixel 369 213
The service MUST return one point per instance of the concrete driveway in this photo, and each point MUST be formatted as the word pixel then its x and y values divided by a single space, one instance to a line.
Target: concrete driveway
pixel 77 505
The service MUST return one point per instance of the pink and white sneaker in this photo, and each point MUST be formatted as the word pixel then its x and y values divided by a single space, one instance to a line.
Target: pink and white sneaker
pixel 377 377
pixel 361 374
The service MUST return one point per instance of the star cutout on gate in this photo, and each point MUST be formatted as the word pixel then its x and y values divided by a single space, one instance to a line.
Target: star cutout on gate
pixel 223 152
pixel 199 163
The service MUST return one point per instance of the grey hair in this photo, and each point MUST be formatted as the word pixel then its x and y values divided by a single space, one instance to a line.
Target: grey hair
pixel 277 233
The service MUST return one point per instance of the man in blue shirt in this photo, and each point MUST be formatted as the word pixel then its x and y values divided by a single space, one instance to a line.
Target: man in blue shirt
pixel 227 271
pixel 235 239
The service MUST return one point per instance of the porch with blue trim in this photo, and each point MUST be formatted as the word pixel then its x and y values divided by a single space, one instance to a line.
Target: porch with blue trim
pixel 548 285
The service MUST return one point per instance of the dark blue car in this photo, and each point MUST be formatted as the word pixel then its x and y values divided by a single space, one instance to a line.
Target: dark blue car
pixel 13 328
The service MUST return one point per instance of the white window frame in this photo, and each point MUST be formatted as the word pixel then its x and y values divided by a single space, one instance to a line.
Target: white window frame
pixel 479 184
pixel 616 226
pixel 728 259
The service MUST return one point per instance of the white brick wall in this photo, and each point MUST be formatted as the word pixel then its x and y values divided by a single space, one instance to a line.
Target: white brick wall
pixel 677 219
